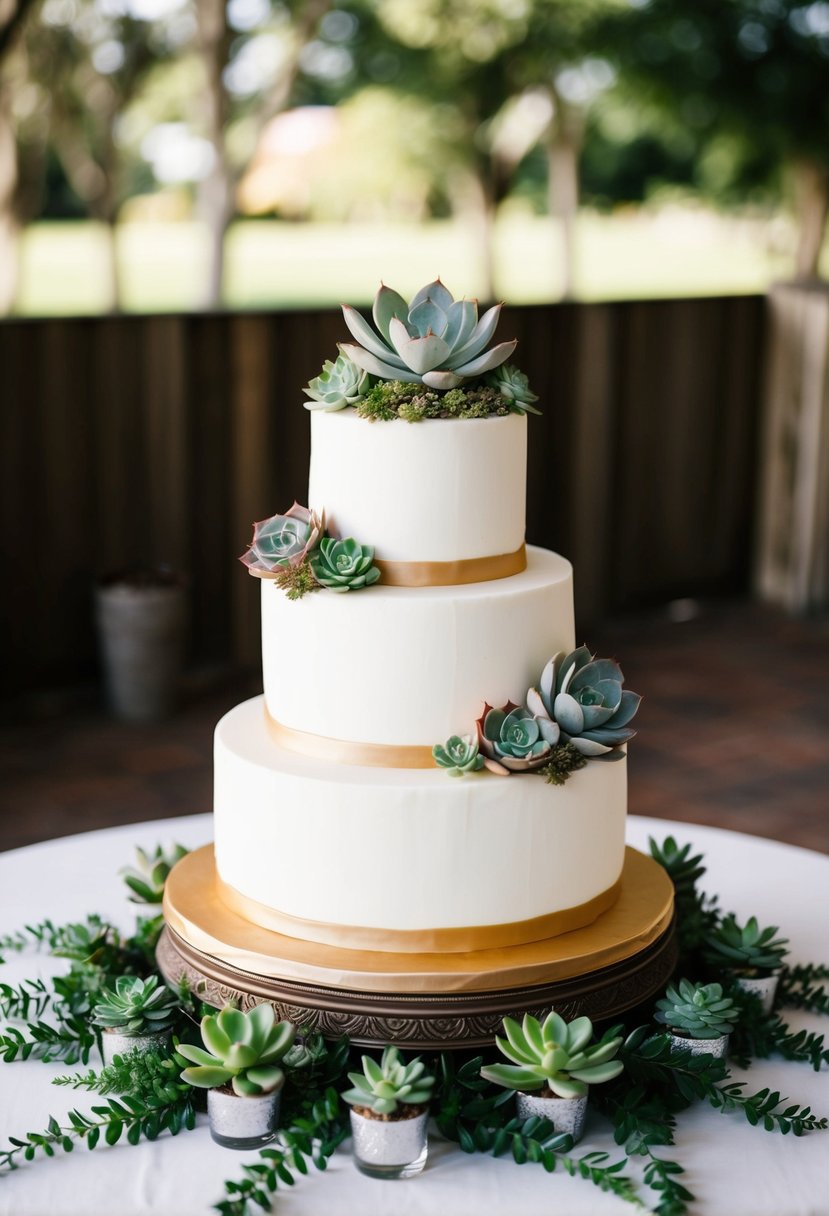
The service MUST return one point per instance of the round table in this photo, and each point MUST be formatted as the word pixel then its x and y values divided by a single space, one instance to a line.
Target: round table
pixel 730 1166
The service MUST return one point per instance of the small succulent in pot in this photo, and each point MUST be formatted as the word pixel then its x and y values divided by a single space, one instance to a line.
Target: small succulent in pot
pixel 239 1067
pixel 699 1017
pixel 283 541
pixel 514 386
pixel 135 1015
pixel 147 877
pixel 584 697
pixel 514 740
pixel 344 565
pixel 338 385
pixel 459 755
pixel 389 1112
pixel 754 955
pixel 552 1064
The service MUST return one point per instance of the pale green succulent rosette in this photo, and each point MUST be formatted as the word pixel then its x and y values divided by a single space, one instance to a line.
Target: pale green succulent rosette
pixel 344 565
pixel 385 1086
pixel 584 697
pixel 243 1049
pixel 435 340
pixel 699 1011
pixel 514 740
pixel 459 755
pixel 555 1054
pixel 513 384
pixel 338 385
pixel 136 1006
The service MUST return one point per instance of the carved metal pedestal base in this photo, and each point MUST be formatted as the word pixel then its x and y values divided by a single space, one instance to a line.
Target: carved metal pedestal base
pixel 419 1001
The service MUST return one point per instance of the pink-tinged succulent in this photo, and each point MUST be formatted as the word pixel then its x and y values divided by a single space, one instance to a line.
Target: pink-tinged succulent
pixel 513 740
pixel 283 540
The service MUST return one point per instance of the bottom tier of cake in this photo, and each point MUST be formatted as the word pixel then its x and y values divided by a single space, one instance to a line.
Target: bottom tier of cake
pixel 407 860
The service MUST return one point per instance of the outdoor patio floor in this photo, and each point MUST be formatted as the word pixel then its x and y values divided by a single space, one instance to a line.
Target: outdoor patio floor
pixel 733 731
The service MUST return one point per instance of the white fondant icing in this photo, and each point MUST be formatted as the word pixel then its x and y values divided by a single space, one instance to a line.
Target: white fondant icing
pixel 404 850
pixel 437 490
pixel 412 666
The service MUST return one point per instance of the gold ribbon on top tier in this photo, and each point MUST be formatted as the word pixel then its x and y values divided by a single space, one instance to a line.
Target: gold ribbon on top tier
pixel 347 751
pixel 440 574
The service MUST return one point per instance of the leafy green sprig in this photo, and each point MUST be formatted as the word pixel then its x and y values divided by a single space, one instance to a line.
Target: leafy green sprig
pixel 759 1035
pixel 148 1075
pixel 803 986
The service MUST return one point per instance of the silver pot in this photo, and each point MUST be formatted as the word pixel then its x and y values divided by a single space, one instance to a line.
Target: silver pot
pixel 565 1114
pixel 243 1123
pixel 701 1047
pixel 763 986
pixel 115 1043
pixel 389 1148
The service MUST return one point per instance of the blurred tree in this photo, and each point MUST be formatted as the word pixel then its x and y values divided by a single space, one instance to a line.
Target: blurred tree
pixel 12 14
pixel 757 69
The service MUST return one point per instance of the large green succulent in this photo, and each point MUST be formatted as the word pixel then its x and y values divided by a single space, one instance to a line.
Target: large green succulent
pixel 343 565
pixel 583 695
pixel 513 739
pixel 435 340
pixel 242 1048
pixel 385 1086
pixel 556 1054
pixel 699 1011
pixel 458 755
pixel 338 385
pixel 136 1006
pixel 745 948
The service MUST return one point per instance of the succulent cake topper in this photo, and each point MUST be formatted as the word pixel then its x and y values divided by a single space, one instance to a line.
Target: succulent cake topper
pixel 459 755
pixel 583 697
pixel 435 342
pixel 293 550
pixel 283 540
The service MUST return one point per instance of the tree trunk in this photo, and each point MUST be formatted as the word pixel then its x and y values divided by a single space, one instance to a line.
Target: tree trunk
pixel 9 233
pixel 811 183
pixel 216 190
pixel 563 149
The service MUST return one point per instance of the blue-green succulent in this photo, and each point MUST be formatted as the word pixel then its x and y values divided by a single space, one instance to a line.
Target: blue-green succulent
pixel 283 541
pixel 584 697
pixel 458 755
pixel 338 385
pixel 435 340
pixel 698 1011
pixel 343 565
pixel 513 384
pixel 515 740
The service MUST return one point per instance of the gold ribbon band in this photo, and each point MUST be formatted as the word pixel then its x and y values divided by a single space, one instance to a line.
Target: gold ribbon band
pixel 345 751
pixel 452 574
pixel 419 941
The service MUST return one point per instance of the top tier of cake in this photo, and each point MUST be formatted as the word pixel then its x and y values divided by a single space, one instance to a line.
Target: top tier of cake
pixel 440 490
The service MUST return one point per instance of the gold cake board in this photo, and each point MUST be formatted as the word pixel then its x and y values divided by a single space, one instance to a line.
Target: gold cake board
pixel 419 1000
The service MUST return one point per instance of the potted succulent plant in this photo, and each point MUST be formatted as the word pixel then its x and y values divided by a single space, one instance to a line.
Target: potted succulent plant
pixel 552 1066
pixel 754 956
pixel 698 1016
pixel 239 1068
pixel 389 1112
pixel 136 1015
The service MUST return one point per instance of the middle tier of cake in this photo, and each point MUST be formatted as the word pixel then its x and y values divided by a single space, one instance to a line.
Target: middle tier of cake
pixel 410 861
pixel 408 667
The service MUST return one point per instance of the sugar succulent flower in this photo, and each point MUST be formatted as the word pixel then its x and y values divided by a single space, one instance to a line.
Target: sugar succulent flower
pixel 242 1049
pixel 283 541
pixel 514 740
pixel 338 385
pixel 383 1087
pixel 554 1054
pixel 513 384
pixel 699 1011
pixel 435 340
pixel 458 755
pixel 343 565
pixel 584 697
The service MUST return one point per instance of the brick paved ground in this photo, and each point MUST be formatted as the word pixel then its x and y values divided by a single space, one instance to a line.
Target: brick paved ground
pixel 734 731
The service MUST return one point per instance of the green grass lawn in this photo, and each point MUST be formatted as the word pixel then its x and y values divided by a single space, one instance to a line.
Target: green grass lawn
pixel 163 265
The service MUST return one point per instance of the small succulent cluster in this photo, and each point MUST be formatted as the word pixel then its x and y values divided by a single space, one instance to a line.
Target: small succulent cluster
pixel 136 1007
pixel 459 755
pixel 746 948
pixel 294 550
pixel 240 1049
pixel 554 1054
pixel 697 1011
pixel 384 1087
pixel 436 343
pixel 147 877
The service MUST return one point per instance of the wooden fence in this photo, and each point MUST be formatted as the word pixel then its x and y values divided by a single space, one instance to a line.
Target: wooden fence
pixel 138 440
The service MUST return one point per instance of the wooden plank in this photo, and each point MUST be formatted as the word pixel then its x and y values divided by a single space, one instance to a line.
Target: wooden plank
pixel 164 417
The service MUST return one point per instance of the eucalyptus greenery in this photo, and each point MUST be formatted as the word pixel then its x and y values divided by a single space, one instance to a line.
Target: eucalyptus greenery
pixel 141 1096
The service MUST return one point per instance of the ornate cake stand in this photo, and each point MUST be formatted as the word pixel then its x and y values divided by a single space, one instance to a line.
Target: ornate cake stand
pixel 419 1000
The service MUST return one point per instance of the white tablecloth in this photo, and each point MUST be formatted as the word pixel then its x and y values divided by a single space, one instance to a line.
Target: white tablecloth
pixel 732 1168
